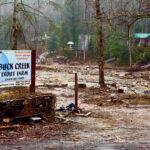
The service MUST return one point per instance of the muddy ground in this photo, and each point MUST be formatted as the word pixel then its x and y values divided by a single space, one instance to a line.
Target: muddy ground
pixel 119 119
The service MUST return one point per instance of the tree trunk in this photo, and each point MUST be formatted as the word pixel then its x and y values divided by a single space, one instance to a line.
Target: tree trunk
pixel 15 42
pixel 146 25
pixel 101 44
pixel 129 45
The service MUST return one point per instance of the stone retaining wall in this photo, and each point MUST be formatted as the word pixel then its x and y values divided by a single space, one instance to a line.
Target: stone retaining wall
pixel 29 106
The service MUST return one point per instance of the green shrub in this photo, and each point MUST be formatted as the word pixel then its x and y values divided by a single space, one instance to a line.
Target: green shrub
pixel 50 55
pixel 116 46
pixel 141 54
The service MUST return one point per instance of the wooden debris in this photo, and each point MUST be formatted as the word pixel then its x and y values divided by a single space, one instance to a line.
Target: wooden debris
pixel 84 115
pixel 69 114
pixel 11 126
pixel 67 119
pixel 148 146
pixel 26 118
pixel 45 117
pixel 6 120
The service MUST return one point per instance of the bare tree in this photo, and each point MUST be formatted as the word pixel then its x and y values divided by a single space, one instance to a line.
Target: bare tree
pixel 15 41
pixel 101 43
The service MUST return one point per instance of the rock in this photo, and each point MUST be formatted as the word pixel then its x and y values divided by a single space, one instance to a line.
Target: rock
pixel 122 74
pixel 147 92
pixel 120 91
pixel 113 95
pixel 82 86
pixel 114 85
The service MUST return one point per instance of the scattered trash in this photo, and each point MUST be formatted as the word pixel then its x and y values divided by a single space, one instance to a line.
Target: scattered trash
pixel 26 118
pixel 109 100
pixel 110 60
pixel 35 119
pixel 60 109
pixel 112 95
pixel 70 107
pixel 84 115
pixel 66 119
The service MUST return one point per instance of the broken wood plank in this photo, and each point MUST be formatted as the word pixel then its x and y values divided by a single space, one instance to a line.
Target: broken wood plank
pixel 45 117
pixel 11 126
pixel 26 118
pixel 35 119
pixel 84 115
pixel 66 119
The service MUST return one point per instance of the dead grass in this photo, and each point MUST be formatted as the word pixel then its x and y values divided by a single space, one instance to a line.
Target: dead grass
pixel 57 129
pixel 110 121
pixel 67 96
pixel 45 68
pixel 102 98
pixel 137 99
pixel 102 115
pixel 13 93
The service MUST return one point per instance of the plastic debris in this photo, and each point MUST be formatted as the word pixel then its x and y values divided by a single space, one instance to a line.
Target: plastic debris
pixel 68 119
pixel 113 95
pixel 60 109
pixel 35 119
pixel 70 107
pixel 109 100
